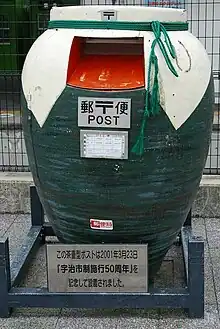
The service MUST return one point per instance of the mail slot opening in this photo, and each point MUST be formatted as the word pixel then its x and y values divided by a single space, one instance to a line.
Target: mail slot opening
pixel 106 64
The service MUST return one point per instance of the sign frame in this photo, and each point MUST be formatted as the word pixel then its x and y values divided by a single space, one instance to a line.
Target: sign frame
pixel 104 112
pixel 112 133
pixel 141 279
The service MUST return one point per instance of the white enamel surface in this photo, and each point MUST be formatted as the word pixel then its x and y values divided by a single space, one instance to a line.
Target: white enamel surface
pixel 179 96
pixel 106 33
pixel 45 71
pixel 124 13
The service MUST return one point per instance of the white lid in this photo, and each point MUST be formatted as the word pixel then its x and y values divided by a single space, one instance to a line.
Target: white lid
pixel 122 13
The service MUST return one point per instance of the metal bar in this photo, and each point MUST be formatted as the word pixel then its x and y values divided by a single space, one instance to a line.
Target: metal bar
pixel 186 233
pixel 211 171
pixel 48 230
pixel 114 41
pixel 25 254
pixel 24 297
pixel 37 212
pixel 5 278
pixel 188 221
pixel 196 277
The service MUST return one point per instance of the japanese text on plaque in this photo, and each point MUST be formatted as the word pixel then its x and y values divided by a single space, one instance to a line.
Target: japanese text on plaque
pixel 93 268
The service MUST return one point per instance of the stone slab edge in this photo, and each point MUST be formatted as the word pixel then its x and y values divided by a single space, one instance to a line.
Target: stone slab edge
pixel 14 195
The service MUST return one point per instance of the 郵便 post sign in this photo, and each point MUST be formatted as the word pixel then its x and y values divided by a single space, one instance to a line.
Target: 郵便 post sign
pixel 104 112
pixel 97 268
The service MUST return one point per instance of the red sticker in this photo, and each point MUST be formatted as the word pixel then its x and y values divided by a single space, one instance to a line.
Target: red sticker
pixel 97 224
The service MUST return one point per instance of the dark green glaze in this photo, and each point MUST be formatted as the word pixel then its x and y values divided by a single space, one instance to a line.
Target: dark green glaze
pixel 147 197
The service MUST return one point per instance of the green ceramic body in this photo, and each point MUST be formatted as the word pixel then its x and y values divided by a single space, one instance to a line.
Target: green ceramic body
pixel 147 197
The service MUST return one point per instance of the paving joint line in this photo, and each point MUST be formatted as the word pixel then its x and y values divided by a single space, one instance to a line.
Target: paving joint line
pixel 58 318
pixel 9 227
pixel 212 271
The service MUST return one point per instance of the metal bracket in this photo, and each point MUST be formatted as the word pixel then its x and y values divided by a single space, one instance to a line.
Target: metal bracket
pixel 190 298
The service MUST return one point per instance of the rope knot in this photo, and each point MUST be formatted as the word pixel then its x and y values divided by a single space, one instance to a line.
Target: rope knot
pixel 152 106
pixel 156 28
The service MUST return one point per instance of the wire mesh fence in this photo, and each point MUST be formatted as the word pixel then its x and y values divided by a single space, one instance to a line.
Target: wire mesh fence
pixel 22 21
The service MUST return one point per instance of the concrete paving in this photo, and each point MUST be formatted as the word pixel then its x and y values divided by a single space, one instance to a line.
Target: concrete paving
pixel 171 274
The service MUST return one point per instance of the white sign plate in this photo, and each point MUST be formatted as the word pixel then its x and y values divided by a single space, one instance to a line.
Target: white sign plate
pixel 104 112
pixel 104 144
pixel 97 268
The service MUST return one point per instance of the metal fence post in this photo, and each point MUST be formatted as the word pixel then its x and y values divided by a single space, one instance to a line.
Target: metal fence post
pixel 196 277
pixel 5 278
pixel 37 212
pixel 188 221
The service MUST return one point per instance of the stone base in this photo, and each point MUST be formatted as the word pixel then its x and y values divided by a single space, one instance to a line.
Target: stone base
pixel 14 192
pixel 14 195
pixel 207 203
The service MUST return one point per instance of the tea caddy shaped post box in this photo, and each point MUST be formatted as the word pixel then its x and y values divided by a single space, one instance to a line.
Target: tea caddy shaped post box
pixel 117 118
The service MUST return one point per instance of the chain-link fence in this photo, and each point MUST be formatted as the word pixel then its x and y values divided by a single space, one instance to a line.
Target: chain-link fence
pixel 22 21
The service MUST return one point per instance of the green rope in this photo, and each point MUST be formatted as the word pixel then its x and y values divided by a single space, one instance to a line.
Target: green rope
pixel 115 25
pixel 152 106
